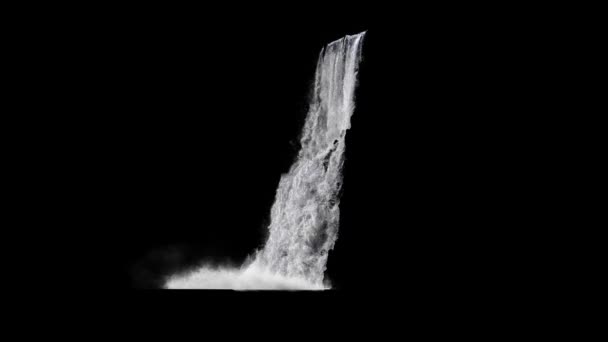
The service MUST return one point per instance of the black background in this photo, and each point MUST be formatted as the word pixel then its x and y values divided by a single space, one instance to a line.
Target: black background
pixel 182 127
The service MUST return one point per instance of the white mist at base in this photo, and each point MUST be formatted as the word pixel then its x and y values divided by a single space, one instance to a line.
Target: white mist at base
pixel 305 215
pixel 252 277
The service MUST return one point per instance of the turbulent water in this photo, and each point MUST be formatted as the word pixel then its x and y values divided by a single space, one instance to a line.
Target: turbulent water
pixel 305 214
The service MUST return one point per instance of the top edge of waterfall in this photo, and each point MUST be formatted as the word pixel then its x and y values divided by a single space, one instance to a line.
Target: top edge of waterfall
pixel 348 36
pixel 357 34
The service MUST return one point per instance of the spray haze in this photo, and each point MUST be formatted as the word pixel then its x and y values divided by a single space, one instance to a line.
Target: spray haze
pixel 305 214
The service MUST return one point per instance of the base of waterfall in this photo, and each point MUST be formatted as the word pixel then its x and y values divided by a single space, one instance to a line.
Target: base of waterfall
pixel 250 278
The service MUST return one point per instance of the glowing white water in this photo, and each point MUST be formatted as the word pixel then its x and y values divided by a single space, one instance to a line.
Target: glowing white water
pixel 305 214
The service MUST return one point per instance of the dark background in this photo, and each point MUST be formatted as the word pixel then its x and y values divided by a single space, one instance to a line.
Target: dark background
pixel 184 127
pixel 153 139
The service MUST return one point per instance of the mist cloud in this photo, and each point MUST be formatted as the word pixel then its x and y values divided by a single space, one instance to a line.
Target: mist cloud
pixel 249 278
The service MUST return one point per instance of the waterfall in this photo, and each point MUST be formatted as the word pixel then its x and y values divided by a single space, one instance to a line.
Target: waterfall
pixel 305 214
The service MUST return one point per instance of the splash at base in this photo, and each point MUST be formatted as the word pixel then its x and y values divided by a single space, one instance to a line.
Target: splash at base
pixel 253 277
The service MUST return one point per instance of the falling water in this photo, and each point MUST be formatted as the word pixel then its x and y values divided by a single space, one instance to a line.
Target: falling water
pixel 305 215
